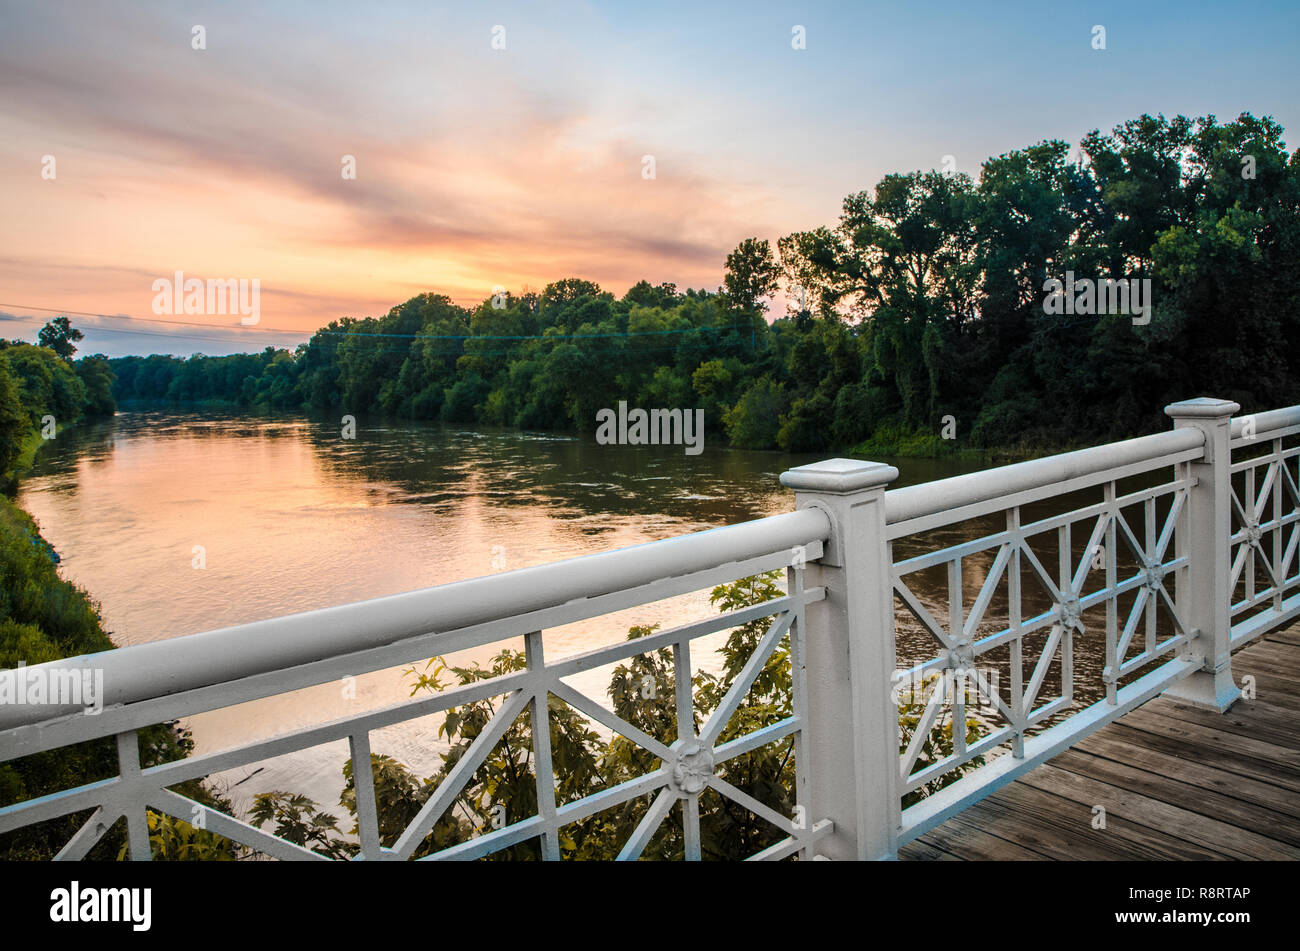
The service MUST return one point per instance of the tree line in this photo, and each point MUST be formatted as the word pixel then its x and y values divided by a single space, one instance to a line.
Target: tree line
pixel 42 388
pixel 924 301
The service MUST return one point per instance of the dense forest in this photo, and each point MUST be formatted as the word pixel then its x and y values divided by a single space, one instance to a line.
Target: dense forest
pixel 925 300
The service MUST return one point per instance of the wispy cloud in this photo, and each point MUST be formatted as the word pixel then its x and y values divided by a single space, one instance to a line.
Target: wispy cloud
pixel 478 167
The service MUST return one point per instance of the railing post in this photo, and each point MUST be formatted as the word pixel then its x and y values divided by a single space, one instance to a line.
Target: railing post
pixel 852 729
pixel 1203 592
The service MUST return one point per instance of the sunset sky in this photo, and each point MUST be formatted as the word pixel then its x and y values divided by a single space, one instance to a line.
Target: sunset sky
pixel 479 166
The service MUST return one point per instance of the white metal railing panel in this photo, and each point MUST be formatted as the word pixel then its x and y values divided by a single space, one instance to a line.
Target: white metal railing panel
pixel 412 623
pixel 1082 580
pixel 932 504
pixel 1265 537
pixel 558 593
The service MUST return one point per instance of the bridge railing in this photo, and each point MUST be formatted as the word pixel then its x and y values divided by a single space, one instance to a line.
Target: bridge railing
pixel 1264 583
pixel 982 587
pixel 165 680
pixel 1034 558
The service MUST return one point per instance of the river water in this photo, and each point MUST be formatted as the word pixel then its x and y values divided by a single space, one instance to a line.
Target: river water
pixel 179 522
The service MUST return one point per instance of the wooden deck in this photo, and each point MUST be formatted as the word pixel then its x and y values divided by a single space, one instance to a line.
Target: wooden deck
pixel 1176 783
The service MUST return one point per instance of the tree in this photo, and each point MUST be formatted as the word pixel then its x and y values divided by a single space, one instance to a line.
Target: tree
pixel 13 420
pixel 59 335
pixel 752 274
pixel 97 377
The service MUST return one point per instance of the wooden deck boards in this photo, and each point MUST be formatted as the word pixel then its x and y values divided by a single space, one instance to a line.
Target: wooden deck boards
pixel 1175 782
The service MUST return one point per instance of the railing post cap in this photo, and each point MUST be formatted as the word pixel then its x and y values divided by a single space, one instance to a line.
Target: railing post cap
pixel 839 476
pixel 1203 407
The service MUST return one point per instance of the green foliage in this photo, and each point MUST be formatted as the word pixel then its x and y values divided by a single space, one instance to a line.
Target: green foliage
pixel 752 274
pixel 175 840
pixel 60 336
pixel 97 379
pixel 755 420
pixel 46 383
pixel 297 820
pixel 14 424
pixel 38 381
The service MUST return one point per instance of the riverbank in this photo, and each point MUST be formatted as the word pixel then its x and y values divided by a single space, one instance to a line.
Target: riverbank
pixel 887 441
pixel 926 445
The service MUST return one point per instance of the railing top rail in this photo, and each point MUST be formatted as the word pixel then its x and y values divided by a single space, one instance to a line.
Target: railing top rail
pixel 952 494
pixel 161 668
pixel 1266 423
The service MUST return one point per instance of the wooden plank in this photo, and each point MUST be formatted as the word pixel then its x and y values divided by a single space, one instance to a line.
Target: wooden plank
pixel 1269 652
pixel 1274 652
pixel 919 850
pixel 1110 745
pixel 1274 688
pixel 1206 802
pixel 1264 664
pixel 1245 718
pixel 1121 836
pixel 1272 712
pixel 1194 833
pixel 1262 750
pixel 1050 825
pixel 1289 636
pixel 962 835
pixel 1209 754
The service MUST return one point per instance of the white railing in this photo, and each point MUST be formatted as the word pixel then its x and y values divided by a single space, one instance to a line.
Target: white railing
pixel 1152 583
pixel 1263 506
pixel 1154 510
pixel 164 680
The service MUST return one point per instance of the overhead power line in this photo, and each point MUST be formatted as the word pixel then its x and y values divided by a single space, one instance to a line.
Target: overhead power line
pixel 349 333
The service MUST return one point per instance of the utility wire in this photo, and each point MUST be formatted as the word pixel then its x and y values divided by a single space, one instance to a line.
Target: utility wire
pixel 360 333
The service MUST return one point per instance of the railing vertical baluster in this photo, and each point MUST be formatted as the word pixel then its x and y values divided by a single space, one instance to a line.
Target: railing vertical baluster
pixel 691 827
pixel 1149 548
pixel 852 728
pixel 1249 508
pixel 1017 639
pixel 956 624
pixel 363 784
pixel 956 610
pixel 686 733
pixel 1064 574
pixel 682 688
pixel 1204 598
pixel 1066 582
pixel 1111 670
pixel 799 691
pixel 543 769
pixel 1279 489
pixel 136 812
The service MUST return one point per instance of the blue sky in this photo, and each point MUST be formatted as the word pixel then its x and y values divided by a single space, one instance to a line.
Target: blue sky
pixel 480 166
